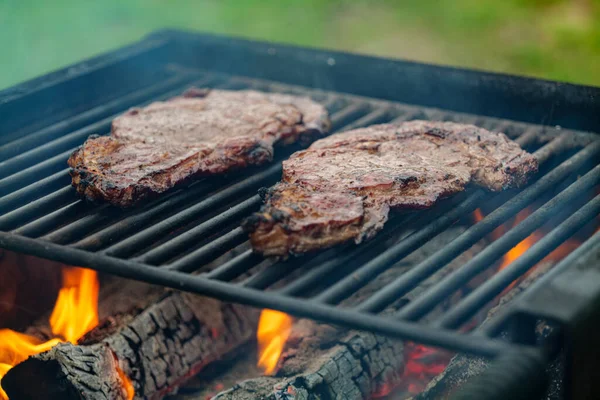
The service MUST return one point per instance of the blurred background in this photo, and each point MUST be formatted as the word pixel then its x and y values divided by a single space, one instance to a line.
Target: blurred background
pixel 553 39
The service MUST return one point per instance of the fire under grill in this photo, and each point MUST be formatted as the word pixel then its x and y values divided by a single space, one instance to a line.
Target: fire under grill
pixel 179 239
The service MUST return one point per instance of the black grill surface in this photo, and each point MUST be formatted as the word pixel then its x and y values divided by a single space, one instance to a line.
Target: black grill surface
pixel 190 239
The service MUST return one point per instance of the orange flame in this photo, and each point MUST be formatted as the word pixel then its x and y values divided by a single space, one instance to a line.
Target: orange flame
pixel 75 313
pixel 76 308
pixel 15 347
pixel 274 328
pixel 127 385
pixel 517 251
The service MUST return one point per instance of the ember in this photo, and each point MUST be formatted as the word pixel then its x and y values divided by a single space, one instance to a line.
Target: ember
pixel 75 313
pixel 422 364
pixel 274 329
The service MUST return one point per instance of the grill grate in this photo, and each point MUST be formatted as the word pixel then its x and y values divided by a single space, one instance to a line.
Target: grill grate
pixel 185 231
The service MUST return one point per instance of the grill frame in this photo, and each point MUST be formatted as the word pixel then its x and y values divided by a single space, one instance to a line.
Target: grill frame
pixel 335 74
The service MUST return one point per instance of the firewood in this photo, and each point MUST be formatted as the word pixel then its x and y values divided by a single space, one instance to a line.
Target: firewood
pixel 158 349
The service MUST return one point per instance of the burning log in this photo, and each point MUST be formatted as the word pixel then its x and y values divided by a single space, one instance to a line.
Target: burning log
pixel 150 352
pixel 323 362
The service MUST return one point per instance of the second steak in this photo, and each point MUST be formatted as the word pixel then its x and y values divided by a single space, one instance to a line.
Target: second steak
pixel 342 187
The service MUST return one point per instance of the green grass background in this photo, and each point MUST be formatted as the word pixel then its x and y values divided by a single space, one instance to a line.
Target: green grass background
pixel 554 39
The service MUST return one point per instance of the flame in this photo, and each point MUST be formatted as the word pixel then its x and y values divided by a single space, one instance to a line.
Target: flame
pixel 513 254
pixel 274 328
pixel 75 313
pixel 15 347
pixel 76 308
pixel 126 382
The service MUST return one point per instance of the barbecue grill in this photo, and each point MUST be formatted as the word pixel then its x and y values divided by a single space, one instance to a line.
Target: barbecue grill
pixel 170 240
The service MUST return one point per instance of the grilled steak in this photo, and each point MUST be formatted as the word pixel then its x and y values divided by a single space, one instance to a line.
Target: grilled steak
pixel 342 187
pixel 204 132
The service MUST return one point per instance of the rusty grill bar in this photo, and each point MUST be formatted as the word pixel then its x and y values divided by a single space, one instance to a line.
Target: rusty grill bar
pixel 168 240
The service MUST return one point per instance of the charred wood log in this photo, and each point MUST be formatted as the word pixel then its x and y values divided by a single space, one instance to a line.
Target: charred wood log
pixel 157 350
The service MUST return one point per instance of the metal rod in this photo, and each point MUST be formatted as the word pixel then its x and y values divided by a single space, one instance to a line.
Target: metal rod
pixel 378 116
pixel 226 292
pixel 403 284
pixel 50 221
pixel 348 114
pixel 34 173
pixel 409 115
pixel 188 238
pixel 274 273
pixel 329 261
pixel 208 252
pixel 34 191
pixel 79 227
pixel 36 208
pixel 430 298
pixel 235 267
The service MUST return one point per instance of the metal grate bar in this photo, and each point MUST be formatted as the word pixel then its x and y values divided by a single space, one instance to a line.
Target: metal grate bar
pixel 34 191
pixel 36 208
pixel 32 174
pixel 494 286
pixel 348 114
pixel 188 238
pixel 139 218
pixel 380 115
pixel 409 280
pixel 486 258
pixel 210 251
pixel 50 221
pixel 273 273
pixel 235 267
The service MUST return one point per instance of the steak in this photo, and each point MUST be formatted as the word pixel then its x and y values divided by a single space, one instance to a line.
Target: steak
pixel 203 132
pixel 342 187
